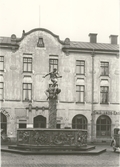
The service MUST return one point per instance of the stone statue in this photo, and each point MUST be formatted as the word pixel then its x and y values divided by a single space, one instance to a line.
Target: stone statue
pixel 52 92
pixel 53 76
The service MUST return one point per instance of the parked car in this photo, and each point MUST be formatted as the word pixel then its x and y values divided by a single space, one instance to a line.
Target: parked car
pixel 115 142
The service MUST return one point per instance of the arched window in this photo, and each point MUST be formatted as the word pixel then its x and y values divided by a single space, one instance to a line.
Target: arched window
pixel 39 122
pixel 3 121
pixel 79 122
pixel 103 126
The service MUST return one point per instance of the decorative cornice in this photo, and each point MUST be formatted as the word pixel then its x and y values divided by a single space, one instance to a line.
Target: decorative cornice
pixel 39 29
pixel 91 51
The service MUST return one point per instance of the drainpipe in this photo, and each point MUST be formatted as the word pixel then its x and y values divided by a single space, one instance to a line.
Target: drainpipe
pixel 92 102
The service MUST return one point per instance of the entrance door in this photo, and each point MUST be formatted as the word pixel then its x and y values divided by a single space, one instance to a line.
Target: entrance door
pixel 39 122
pixel 3 121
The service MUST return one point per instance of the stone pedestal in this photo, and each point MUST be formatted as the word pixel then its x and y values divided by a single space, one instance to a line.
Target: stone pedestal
pixel 52 114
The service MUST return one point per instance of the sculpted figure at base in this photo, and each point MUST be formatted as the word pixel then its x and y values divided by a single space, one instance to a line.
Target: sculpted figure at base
pixel 52 92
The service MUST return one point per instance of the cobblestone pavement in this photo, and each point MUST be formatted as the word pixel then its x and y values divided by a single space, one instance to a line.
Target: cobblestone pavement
pixel 106 159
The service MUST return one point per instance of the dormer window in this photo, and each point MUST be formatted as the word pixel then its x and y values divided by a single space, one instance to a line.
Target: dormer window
pixel 40 42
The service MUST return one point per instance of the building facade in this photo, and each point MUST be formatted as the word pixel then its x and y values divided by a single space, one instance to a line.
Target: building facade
pixel 90 90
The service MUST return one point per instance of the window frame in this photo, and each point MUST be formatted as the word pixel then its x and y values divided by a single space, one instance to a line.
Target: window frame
pixel 80 91
pixel 104 67
pixel 104 94
pixel 2 61
pixel 53 64
pixel 80 65
pixel 27 63
pixel 24 99
pixel 2 88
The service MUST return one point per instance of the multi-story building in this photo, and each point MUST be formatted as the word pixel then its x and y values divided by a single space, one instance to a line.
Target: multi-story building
pixel 89 97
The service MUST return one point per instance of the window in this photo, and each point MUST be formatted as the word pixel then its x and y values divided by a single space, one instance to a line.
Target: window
pixel 27 91
pixel 80 93
pixel 80 67
pixel 27 64
pixel 1 90
pixel 79 122
pixel 1 63
pixel 58 126
pixel 104 94
pixel 40 42
pixel 39 121
pixel 3 122
pixel 53 63
pixel 22 125
pixel 103 126
pixel 104 68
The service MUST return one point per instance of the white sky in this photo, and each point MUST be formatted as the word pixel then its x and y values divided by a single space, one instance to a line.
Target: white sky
pixel 74 19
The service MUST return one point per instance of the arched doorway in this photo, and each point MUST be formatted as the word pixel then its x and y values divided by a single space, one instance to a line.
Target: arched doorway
pixel 79 122
pixel 39 122
pixel 103 126
pixel 3 121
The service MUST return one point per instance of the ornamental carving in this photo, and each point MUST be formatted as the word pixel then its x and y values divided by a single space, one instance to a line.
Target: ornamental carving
pixel 52 137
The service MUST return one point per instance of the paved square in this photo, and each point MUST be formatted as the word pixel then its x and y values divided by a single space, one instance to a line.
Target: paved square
pixel 107 159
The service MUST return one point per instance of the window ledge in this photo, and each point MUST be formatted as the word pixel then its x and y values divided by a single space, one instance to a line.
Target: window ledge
pixel 105 103
pixel 27 101
pixel 42 47
pixel 80 74
pixel 28 72
pixel 80 102
pixel 3 70
pixel 105 76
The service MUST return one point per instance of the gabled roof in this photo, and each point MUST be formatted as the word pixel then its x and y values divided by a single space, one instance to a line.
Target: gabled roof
pixel 6 41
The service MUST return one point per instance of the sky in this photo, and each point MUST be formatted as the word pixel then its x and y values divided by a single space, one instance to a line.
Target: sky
pixel 73 19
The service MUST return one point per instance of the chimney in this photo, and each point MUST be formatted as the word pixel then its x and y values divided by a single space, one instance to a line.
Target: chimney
pixel 113 39
pixel 93 38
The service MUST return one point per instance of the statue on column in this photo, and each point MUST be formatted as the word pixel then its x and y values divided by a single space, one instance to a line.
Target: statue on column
pixel 53 89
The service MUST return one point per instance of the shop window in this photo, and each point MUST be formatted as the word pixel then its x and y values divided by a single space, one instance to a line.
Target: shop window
pixel 1 63
pixel 103 126
pixel 79 122
pixel 80 67
pixel 27 64
pixel 80 93
pixel 53 63
pixel 104 68
pixel 27 91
